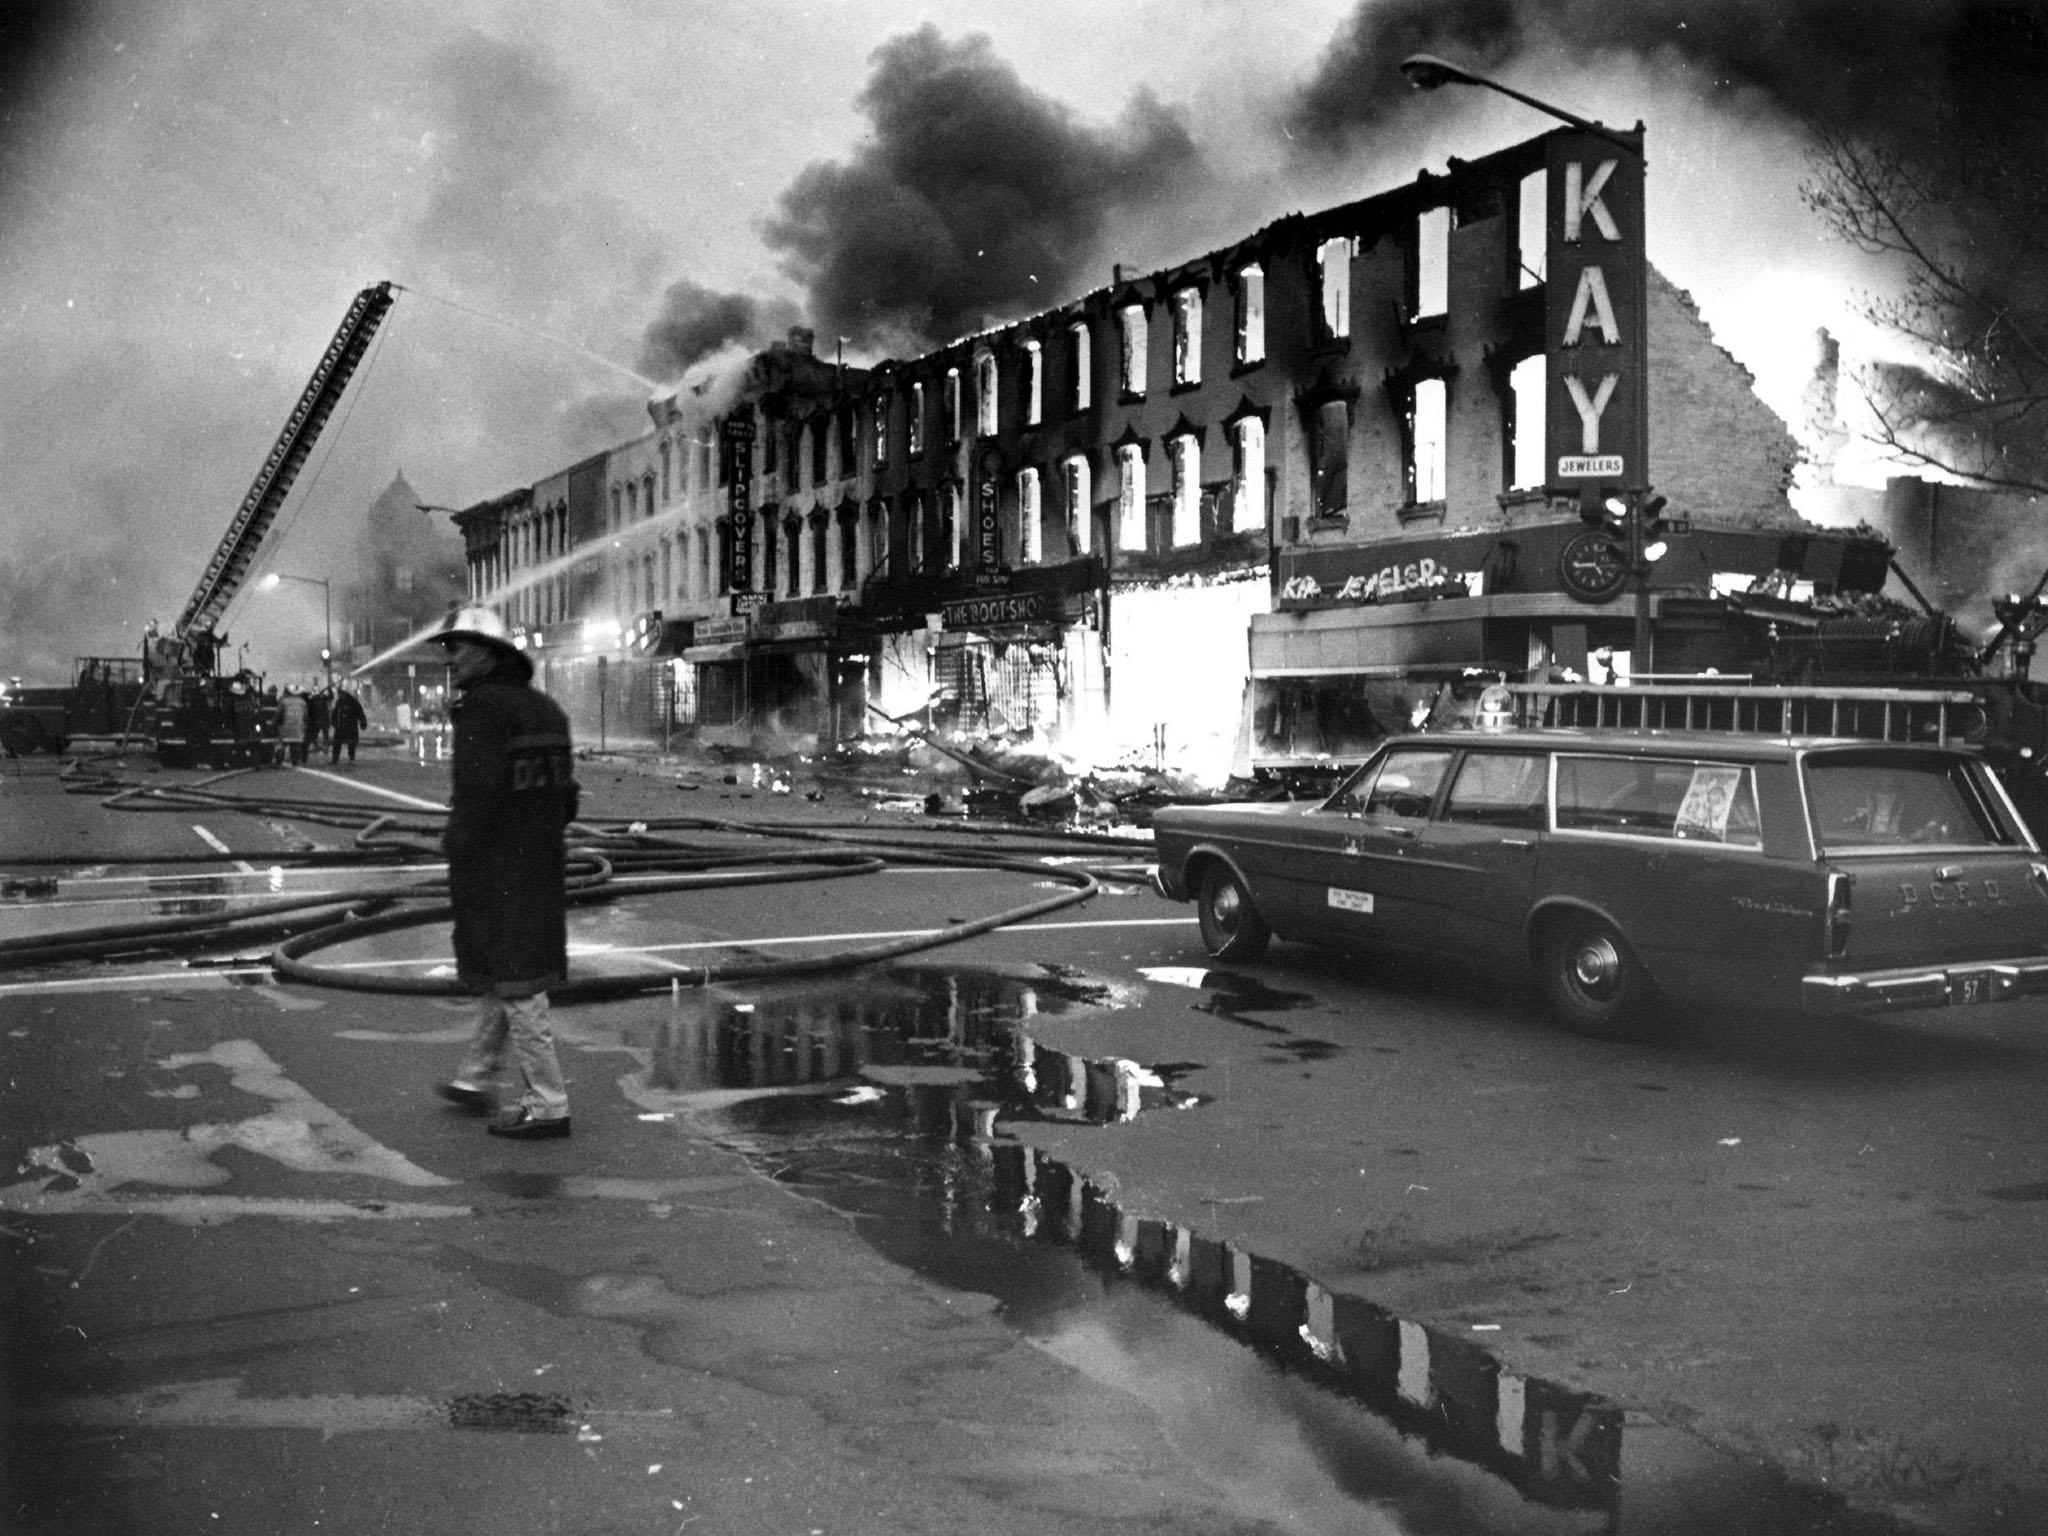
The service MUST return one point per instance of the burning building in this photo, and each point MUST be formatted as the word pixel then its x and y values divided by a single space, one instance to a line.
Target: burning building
pixel 1252 506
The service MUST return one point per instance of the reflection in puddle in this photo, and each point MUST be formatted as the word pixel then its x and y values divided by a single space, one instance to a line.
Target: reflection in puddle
pixel 905 1029
pixel 1323 1407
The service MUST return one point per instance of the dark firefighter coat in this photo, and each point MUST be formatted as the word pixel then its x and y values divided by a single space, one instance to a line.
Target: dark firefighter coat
pixel 514 791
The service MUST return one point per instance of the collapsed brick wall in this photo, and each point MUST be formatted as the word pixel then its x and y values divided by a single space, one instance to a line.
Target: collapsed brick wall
pixel 1719 453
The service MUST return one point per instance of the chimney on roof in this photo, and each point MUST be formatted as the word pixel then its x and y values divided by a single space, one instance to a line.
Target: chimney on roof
pixel 804 340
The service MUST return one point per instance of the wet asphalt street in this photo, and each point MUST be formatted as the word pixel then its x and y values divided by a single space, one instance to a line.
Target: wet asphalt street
pixel 1058 1229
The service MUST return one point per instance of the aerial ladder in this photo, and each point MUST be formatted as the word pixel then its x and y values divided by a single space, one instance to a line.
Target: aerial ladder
pixel 197 713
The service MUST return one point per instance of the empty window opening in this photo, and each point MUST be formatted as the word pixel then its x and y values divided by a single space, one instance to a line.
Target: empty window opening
pixel 1428 432
pixel 1034 384
pixel 1248 475
pixel 1330 457
pixel 916 445
pixel 1525 430
pixel 1186 454
pixel 1084 367
pixel 950 524
pixel 1030 507
pixel 985 394
pixel 1251 314
pixel 1131 374
pixel 1187 336
pixel 1333 266
pixel 1532 232
pixel 1433 261
pixel 1080 506
pixel 1130 497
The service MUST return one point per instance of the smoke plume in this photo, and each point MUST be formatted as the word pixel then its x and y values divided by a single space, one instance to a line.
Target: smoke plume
pixel 1848 62
pixel 973 199
pixel 695 322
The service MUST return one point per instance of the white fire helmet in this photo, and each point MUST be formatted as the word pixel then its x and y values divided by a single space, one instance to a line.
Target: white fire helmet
pixel 478 623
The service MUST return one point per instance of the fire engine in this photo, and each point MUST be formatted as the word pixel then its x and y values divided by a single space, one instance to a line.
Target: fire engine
pixel 176 695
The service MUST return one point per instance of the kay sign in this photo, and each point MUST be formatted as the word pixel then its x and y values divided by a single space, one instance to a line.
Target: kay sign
pixel 1595 330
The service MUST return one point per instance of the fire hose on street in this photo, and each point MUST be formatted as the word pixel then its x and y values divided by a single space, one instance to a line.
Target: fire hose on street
pixel 602 858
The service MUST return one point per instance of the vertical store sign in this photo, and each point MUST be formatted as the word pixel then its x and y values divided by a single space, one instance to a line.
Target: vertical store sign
pixel 1595 329
pixel 988 539
pixel 736 437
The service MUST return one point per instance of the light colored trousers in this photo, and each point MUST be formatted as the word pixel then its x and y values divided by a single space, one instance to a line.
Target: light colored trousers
pixel 520 1023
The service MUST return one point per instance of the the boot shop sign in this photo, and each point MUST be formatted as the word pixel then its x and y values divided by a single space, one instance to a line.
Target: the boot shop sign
pixel 998 608
pixel 722 631
pixel 1596 332
pixel 736 435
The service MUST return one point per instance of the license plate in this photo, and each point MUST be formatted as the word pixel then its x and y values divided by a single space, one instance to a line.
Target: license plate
pixel 1969 987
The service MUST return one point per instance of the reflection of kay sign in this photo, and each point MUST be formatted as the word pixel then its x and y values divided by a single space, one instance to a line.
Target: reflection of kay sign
pixel 1388 581
pixel 1707 799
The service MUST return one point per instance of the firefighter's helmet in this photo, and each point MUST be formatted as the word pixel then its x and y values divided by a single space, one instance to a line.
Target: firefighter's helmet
pixel 475 622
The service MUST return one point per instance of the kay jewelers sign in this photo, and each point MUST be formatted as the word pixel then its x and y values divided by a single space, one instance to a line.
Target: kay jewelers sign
pixel 1596 331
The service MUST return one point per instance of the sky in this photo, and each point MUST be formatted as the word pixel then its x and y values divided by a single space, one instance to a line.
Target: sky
pixel 583 201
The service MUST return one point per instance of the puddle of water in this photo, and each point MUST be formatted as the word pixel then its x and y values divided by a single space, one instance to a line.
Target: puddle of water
pixel 903 1031
pixel 1326 1411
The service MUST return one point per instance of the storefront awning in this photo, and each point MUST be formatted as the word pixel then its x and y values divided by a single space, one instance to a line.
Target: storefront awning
pixel 700 654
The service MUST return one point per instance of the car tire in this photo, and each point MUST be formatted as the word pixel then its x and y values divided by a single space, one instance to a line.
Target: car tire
pixel 1591 981
pixel 1232 928
pixel 21 738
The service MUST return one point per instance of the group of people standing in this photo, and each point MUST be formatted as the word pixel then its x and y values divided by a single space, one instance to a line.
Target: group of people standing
pixel 331 716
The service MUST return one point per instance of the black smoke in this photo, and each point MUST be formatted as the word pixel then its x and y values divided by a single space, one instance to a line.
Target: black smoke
pixel 972 200
pixel 696 322
pixel 1855 64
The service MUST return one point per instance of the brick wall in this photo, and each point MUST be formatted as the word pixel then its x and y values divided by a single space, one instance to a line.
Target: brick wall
pixel 1719 453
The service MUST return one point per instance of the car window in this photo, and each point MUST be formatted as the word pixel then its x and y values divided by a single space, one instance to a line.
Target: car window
pixel 1501 789
pixel 1404 785
pixel 1871 800
pixel 1658 797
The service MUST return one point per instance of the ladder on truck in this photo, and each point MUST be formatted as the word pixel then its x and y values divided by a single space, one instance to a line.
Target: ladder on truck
pixel 231 561
pixel 1939 715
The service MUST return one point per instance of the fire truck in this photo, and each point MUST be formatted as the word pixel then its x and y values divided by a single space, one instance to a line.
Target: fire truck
pixel 175 695
pixel 100 700
pixel 194 712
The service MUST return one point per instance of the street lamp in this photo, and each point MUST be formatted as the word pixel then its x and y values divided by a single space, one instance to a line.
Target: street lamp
pixel 269 584
pixel 1425 72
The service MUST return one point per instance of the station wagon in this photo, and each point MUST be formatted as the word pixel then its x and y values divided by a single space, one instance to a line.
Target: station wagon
pixel 1826 875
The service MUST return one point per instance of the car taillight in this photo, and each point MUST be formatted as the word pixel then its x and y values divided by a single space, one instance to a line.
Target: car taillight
pixel 1839 889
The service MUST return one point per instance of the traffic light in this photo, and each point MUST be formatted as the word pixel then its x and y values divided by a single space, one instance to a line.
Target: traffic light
pixel 1604 510
pixel 1651 522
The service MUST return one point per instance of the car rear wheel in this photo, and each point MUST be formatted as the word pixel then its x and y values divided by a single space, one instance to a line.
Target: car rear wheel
pixel 21 738
pixel 1591 981
pixel 1231 926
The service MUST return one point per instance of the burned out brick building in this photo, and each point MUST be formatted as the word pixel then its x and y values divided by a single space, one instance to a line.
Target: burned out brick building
pixel 1233 513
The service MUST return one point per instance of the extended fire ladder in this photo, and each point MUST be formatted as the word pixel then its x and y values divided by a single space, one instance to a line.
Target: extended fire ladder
pixel 237 552
pixel 1940 715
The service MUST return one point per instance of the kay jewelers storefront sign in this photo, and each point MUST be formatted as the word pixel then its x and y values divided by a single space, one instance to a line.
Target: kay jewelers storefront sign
pixel 1476 564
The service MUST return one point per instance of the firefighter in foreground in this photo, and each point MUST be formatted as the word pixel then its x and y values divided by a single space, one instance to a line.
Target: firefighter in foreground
pixel 513 795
